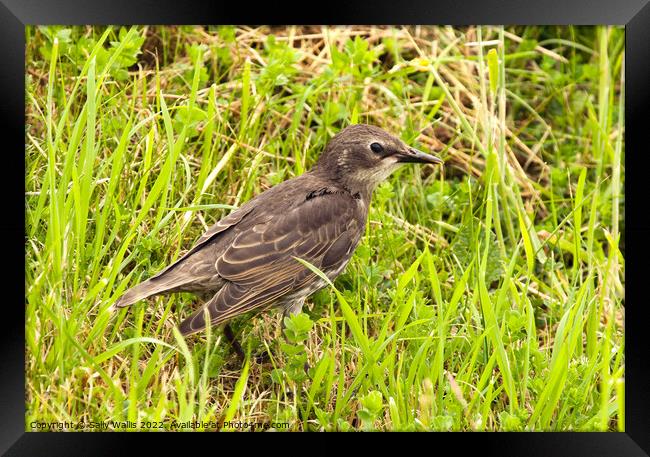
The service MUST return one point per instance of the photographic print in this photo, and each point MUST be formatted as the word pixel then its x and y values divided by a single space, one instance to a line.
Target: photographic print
pixel 324 228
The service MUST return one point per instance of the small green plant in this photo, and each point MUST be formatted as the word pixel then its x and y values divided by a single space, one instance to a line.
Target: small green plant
pixel 296 331
pixel 371 408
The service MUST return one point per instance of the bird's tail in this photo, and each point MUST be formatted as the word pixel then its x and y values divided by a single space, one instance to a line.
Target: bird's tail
pixel 153 286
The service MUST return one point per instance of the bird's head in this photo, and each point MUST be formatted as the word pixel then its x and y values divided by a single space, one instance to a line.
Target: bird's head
pixel 362 156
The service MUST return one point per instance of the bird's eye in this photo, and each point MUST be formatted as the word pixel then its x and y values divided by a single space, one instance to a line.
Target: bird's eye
pixel 376 147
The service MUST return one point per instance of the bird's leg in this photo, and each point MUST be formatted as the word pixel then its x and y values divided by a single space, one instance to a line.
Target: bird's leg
pixel 291 310
pixel 230 336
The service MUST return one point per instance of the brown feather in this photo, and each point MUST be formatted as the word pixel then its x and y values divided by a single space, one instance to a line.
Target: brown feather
pixel 260 267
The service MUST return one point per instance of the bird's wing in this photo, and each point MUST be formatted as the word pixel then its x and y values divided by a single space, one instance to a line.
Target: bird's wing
pixel 229 221
pixel 260 264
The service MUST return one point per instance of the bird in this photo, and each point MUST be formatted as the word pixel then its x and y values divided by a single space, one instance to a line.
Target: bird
pixel 247 261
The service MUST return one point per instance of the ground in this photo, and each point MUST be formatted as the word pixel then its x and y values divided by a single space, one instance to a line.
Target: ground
pixel 487 294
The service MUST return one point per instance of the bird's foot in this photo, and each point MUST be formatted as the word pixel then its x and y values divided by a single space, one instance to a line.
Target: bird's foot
pixel 263 357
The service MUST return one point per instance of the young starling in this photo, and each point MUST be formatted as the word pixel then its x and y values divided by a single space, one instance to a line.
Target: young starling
pixel 247 260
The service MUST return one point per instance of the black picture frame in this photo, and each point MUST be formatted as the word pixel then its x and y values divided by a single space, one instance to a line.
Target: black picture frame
pixel 634 14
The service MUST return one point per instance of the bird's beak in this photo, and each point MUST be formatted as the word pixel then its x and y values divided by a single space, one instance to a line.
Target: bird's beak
pixel 413 155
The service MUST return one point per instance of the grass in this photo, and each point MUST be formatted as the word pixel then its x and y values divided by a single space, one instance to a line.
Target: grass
pixel 485 295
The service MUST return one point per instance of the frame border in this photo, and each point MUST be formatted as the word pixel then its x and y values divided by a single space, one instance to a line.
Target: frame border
pixel 635 14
